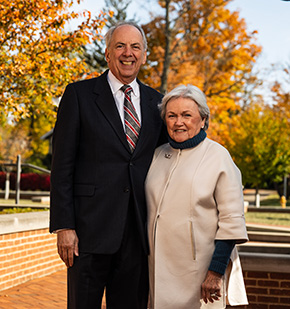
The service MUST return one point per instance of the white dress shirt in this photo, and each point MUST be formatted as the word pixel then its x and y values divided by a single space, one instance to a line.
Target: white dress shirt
pixel 119 95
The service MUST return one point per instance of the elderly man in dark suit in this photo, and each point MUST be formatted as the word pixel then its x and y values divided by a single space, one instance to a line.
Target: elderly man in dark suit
pixel 100 161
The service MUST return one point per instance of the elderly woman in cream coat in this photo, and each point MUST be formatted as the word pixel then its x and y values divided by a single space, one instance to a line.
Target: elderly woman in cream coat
pixel 195 212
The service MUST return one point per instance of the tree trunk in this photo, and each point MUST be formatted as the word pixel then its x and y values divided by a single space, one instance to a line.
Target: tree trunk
pixel 167 54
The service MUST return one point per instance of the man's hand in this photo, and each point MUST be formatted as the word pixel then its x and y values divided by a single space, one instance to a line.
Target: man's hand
pixel 211 287
pixel 67 246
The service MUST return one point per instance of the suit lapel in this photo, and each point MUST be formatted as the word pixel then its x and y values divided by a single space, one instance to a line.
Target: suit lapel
pixel 146 113
pixel 106 103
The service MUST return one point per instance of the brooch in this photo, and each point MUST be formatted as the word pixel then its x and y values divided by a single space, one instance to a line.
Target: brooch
pixel 168 155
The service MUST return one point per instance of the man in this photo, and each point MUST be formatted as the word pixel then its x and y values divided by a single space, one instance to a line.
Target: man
pixel 97 197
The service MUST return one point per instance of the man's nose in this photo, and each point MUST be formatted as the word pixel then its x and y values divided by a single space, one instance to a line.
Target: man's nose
pixel 128 51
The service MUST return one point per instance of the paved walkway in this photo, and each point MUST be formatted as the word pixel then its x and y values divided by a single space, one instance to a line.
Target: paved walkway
pixel 48 292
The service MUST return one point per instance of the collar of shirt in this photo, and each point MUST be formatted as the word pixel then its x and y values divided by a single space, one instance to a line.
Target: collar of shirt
pixel 118 95
pixel 115 85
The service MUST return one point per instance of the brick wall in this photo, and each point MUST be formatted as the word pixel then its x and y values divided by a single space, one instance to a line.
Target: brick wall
pixel 28 251
pixel 267 290
pixel 27 255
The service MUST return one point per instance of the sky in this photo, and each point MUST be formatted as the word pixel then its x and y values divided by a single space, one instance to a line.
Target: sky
pixel 269 17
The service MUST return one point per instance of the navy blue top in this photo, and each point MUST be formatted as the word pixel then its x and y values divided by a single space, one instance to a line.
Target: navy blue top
pixel 221 255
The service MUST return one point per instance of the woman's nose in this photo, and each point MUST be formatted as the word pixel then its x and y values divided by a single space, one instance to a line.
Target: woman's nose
pixel 179 121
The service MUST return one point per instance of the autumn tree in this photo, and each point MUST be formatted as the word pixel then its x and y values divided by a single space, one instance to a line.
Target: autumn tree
pixel 38 56
pixel 13 141
pixel 260 145
pixel 281 95
pixel 281 99
pixel 203 43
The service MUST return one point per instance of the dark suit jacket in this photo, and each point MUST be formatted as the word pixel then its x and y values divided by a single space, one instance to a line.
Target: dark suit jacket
pixel 93 171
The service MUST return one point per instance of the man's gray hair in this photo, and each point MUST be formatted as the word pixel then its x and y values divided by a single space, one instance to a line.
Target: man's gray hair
pixel 109 34
pixel 188 92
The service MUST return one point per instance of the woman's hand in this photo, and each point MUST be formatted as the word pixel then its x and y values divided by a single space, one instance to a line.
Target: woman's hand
pixel 211 287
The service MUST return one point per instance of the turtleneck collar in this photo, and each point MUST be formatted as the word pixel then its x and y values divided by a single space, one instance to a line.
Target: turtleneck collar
pixel 190 143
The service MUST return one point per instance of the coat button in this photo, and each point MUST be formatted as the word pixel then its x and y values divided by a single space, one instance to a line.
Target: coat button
pixel 126 190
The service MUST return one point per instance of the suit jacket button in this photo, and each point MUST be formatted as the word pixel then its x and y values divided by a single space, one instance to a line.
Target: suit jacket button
pixel 126 190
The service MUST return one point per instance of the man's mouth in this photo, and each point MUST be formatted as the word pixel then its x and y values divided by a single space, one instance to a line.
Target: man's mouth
pixel 127 62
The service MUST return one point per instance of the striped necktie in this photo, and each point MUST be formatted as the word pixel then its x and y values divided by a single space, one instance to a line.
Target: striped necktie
pixel 132 124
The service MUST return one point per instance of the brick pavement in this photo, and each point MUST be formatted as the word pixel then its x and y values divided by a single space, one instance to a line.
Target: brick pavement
pixel 47 292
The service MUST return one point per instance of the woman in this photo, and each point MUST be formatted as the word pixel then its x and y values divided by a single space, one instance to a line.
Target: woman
pixel 195 212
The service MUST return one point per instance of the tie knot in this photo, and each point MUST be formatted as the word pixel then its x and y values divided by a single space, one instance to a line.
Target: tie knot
pixel 126 89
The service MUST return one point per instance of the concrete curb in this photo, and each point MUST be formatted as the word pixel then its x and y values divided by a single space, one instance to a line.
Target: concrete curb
pixel 265 262
pixel 21 222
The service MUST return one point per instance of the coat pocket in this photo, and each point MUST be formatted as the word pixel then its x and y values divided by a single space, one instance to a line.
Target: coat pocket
pixel 192 239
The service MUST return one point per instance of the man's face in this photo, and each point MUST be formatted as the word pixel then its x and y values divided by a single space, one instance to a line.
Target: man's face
pixel 126 53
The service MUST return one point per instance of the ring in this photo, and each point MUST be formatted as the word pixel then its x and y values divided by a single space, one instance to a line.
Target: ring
pixel 213 295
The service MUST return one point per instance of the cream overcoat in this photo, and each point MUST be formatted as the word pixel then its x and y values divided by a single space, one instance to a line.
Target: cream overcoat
pixel 194 197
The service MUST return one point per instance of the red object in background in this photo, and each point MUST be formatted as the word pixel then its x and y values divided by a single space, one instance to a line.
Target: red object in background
pixel 28 181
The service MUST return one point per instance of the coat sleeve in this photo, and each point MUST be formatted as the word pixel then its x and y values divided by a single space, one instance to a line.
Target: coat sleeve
pixel 65 144
pixel 229 199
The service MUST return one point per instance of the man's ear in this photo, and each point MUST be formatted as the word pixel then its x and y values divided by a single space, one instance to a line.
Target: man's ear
pixel 144 58
pixel 107 56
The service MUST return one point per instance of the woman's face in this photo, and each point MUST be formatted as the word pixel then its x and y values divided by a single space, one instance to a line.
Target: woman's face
pixel 182 119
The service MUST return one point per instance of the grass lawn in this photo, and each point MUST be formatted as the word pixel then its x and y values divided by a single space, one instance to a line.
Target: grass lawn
pixel 273 200
pixel 15 209
pixel 277 219
pixel 12 202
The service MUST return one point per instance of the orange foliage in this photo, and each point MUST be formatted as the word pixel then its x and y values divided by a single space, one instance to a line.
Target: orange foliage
pixel 282 100
pixel 210 48
pixel 38 57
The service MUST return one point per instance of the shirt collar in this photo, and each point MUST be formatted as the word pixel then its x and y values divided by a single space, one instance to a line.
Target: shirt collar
pixel 116 84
